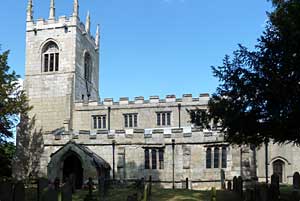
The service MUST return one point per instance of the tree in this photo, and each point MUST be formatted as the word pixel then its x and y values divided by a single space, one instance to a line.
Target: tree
pixel 12 99
pixel 258 98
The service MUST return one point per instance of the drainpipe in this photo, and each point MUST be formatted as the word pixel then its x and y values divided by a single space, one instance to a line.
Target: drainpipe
pixel 179 115
pixel 266 161
pixel 173 164
pixel 113 150
pixel 108 126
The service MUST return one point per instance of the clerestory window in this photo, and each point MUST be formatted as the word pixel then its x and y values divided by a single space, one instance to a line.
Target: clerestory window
pixel 50 57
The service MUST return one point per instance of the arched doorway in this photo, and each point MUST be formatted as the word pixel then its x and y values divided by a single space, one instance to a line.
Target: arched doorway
pixel 73 169
pixel 278 167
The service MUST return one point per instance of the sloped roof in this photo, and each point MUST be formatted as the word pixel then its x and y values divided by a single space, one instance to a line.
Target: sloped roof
pixel 98 161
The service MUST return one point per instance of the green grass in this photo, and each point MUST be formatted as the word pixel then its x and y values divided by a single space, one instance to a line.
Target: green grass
pixel 159 194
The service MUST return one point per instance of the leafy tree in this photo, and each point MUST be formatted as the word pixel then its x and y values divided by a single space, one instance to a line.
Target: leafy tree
pixel 258 98
pixel 7 151
pixel 12 99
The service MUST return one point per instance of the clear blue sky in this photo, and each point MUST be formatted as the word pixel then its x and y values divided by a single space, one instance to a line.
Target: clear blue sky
pixel 150 47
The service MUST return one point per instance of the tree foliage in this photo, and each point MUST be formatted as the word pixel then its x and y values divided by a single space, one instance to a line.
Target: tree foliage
pixel 258 98
pixel 12 98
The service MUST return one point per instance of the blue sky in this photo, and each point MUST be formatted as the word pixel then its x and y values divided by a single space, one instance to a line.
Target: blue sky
pixel 150 47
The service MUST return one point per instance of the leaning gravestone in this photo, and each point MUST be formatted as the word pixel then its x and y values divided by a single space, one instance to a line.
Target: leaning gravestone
pixel 50 195
pixel 19 192
pixel 274 188
pixel 296 180
pixel 66 191
pixel 6 191
pixel 234 184
pixel 240 186
pixel 223 186
pixel 229 186
pixel 42 185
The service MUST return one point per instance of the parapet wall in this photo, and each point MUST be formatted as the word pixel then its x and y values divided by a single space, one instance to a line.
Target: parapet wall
pixel 186 135
pixel 140 100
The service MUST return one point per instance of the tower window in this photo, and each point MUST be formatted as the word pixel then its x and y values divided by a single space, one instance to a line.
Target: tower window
pixel 208 157
pixel 147 159
pixel 163 118
pixel 50 57
pixel 224 157
pixel 216 157
pixel 87 67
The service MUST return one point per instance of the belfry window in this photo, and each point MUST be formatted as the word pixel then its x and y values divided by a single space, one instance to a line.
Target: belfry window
pixel 163 118
pixel 50 57
pixel 99 121
pixel 87 67
pixel 130 120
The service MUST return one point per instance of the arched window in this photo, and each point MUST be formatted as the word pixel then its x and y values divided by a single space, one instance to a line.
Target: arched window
pixel 87 67
pixel 216 157
pixel 147 159
pixel 153 152
pixel 278 167
pixel 208 157
pixel 50 57
pixel 224 157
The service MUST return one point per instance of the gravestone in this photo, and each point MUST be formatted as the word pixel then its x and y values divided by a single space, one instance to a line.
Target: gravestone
pixel 66 191
pixel 296 180
pixel 6 191
pixel 240 186
pixel 229 185
pixel 274 188
pixel 42 185
pixel 187 183
pixel 234 184
pixel 19 192
pixel 51 194
pixel 223 186
pixel 150 186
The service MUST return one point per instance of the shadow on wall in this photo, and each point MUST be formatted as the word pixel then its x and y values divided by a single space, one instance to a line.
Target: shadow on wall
pixel 29 149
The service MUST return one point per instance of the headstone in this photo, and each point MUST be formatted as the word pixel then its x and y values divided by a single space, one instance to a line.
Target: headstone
pixel 213 194
pixel 66 191
pixel 240 186
pixel 150 185
pixel 229 186
pixel 19 192
pixel 223 179
pixel 296 180
pixel 6 191
pixel 295 196
pixel 234 184
pixel 42 184
pixel 274 188
pixel 51 194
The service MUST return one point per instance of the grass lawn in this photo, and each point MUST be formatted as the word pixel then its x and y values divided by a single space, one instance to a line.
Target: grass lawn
pixel 159 194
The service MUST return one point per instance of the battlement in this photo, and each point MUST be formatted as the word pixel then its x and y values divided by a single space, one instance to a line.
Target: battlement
pixel 153 135
pixel 61 22
pixel 140 100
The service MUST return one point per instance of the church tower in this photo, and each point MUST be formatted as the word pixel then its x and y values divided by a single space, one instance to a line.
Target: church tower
pixel 62 66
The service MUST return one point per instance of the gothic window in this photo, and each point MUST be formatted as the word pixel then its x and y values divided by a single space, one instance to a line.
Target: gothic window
pixel 99 121
pixel 130 120
pixel 161 158
pixel 208 157
pixel 163 118
pixel 224 157
pixel 216 157
pixel 87 67
pixel 50 57
pixel 154 159
pixel 147 159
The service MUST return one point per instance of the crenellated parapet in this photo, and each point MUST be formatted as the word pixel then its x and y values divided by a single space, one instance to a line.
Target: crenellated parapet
pixel 186 99
pixel 64 22
pixel 138 136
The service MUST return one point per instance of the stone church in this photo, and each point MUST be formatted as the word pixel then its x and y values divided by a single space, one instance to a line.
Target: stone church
pixel 85 136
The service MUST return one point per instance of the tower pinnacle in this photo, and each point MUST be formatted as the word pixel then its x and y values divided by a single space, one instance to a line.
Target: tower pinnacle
pixel 88 22
pixel 52 10
pixel 29 11
pixel 76 8
pixel 97 36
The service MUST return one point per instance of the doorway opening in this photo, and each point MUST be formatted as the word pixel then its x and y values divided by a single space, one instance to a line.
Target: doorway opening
pixel 278 167
pixel 72 169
